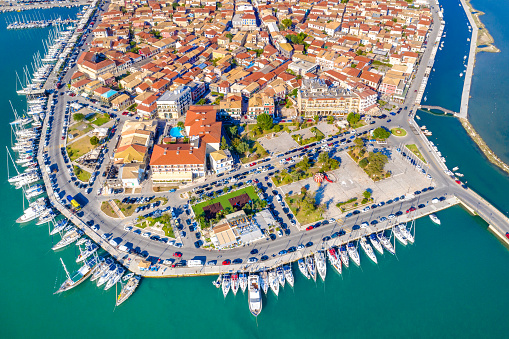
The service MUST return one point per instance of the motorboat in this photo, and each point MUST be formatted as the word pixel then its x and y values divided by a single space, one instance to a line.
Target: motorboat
pixel 321 264
pixel 344 256
pixel 310 263
pixel 255 295
pixel 334 259
pixel 90 248
pixel 368 250
pixel 353 253
pixel 302 268
pixel 289 274
pixel 107 274
pixel 435 219
pixel 102 267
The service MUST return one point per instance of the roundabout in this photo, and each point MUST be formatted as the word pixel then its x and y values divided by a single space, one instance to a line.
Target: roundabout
pixel 398 132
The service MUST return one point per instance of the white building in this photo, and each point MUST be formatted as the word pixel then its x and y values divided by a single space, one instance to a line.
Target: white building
pixel 221 161
pixel 173 104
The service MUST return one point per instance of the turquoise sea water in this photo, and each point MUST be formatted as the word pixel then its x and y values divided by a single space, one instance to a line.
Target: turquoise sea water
pixel 451 283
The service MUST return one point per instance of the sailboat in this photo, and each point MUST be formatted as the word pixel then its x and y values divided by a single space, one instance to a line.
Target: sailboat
pixel 128 289
pixel 289 274
pixel 273 282
pixel 344 255
pixel 264 281
pixel 226 284
pixel 334 259
pixel 385 243
pixel 353 253
pixel 280 276
pixel 321 264
pixel 235 283
pixel 302 268
pixel 243 281
pixel 311 267
pixel 79 276
pixel 435 219
pixel 368 250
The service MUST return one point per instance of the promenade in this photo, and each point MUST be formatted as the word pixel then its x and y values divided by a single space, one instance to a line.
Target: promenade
pixel 465 95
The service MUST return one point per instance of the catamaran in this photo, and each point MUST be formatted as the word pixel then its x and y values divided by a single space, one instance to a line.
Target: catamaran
pixel 128 289
pixel 321 264
pixel 255 295
pixel 273 281
pixel 79 276
pixel 226 284
pixel 397 233
pixel 115 277
pixel 344 255
pixel 385 242
pixel 302 268
pixel 368 250
pixel 243 281
pixel 353 253
pixel 280 276
pixel 334 259
pixel 376 244
pixel 434 218
pixel 235 283
pixel 310 263
pixel 289 274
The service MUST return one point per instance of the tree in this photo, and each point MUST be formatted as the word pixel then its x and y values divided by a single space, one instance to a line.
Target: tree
pixel 287 23
pixel 202 101
pixel 278 128
pixel 381 133
pixel 366 194
pixel 358 142
pixel 295 92
pixel 353 118
pixel 78 117
pixel 94 140
pixel 180 124
pixel 264 121
pixel 304 164
pixel 229 36
pixel 323 157
pixel 316 118
pixel 363 163
pixel 330 119
pixel 233 130
pixel 224 144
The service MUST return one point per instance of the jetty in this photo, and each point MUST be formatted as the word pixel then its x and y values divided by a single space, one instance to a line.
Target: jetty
pixel 437 108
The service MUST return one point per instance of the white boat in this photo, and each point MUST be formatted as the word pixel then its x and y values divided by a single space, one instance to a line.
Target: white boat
pixel 128 289
pixel 455 168
pixel 406 233
pixel 46 216
pixel 107 274
pixel 103 266
pixel 344 255
pixel 310 263
pixel 31 213
pixel 59 227
pixel 235 283
pixel 334 259
pixel 90 248
pixel 68 238
pixel 225 285
pixel 353 253
pixel 397 233
pixel 115 277
pixel 368 250
pixel 243 281
pixel 385 243
pixel 218 281
pixel 321 264
pixel 435 219
pixel 273 282
pixel 81 241
pixel 289 274
pixel 255 295
pixel 79 276
pixel 302 268
pixel 264 281
pixel 375 243
pixel 459 174
pixel 280 276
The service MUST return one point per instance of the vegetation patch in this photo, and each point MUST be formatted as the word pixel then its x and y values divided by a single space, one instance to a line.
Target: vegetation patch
pixel 304 207
pixel 318 136
pixel 372 163
pixel 108 210
pixel 101 119
pixel 306 169
pixel 79 148
pixel 413 148
pixel 81 174
pixel 398 132
pixel 128 209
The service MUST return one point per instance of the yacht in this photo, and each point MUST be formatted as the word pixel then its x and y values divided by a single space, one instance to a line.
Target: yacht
pixel 434 218
pixel 218 281
pixel 368 250
pixel 68 238
pixel 344 255
pixel 79 276
pixel 264 281
pixel 46 216
pixel 321 264
pixel 353 253
pixel 235 283
pixel 385 242
pixel 406 233
pixel 310 263
pixel 107 274
pixel 289 274
pixel 103 266
pixel 115 277
pixel 59 227
pixel 375 243
pixel 128 289
pixel 255 295
pixel 280 276
pixel 397 233
pixel 334 259
pixel 31 213
pixel 273 281
pixel 34 191
pixel 302 267
pixel 225 285
pixel 243 281
pixel 90 248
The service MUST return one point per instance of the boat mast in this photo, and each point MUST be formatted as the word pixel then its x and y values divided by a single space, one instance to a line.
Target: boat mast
pixel 65 268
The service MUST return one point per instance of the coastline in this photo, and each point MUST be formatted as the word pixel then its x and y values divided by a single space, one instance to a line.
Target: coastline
pixel 484 38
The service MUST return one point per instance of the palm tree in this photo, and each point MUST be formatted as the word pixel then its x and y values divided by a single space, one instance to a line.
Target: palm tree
pixel 180 124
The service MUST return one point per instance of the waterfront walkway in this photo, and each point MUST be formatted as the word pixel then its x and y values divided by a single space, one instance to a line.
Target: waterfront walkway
pixel 437 108
pixel 465 95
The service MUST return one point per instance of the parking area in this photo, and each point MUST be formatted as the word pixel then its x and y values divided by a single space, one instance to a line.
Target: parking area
pixel 279 144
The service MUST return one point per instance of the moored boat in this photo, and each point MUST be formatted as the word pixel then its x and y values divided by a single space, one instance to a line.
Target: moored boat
pixel 353 253
pixel 321 264
pixel 310 263
pixel 79 276
pixel 289 274
pixel 334 259
pixel 397 233
pixel 344 255
pixel 264 281
pixel 243 281
pixel 385 242
pixel 128 289
pixel 406 233
pixel 435 219
pixel 255 295
pixel 368 250
pixel 375 243
pixel 235 283
pixel 280 276
pixel 302 268
pixel 225 284
pixel 273 282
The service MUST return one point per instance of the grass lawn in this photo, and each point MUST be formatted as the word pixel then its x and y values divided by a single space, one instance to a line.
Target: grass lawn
pixel 83 129
pixel 81 174
pixel 108 210
pixel 304 217
pixel 128 209
pixel 198 208
pixel 101 120
pixel 259 153
pixel 413 148
pixel 398 132
pixel 359 124
pixel 79 148
pixel 167 228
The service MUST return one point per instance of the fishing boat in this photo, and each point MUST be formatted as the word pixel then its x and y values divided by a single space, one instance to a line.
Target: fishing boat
pixel 225 284
pixel 397 233
pixel 115 277
pixel 375 243
pixel 406 233
pixel 218 281
pixel 235 283
pixel 280 276
pixel 255 295
pixel 353 253
pixel 302 268
pixel 344 255
pixel 310 263
pixel 107 274
pixel 79 276
pixel 321 264
pixel 68 238
pixel 59 227
pixel 385 243
pixel 90 248
pixel 264 281
pixel 273 282
pixel 435 219
pixel 243 281
pixel 289 274
pixel 334 259
pixel 128 289
pixel 368 250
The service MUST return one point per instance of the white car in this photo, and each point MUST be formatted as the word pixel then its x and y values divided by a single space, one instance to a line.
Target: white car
pixel 331 220
pixel 391 216
pixel 279 233
pixel 178 245
pixel 128 228
pixel 364 225
pixel 146 234
pixel 300 247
